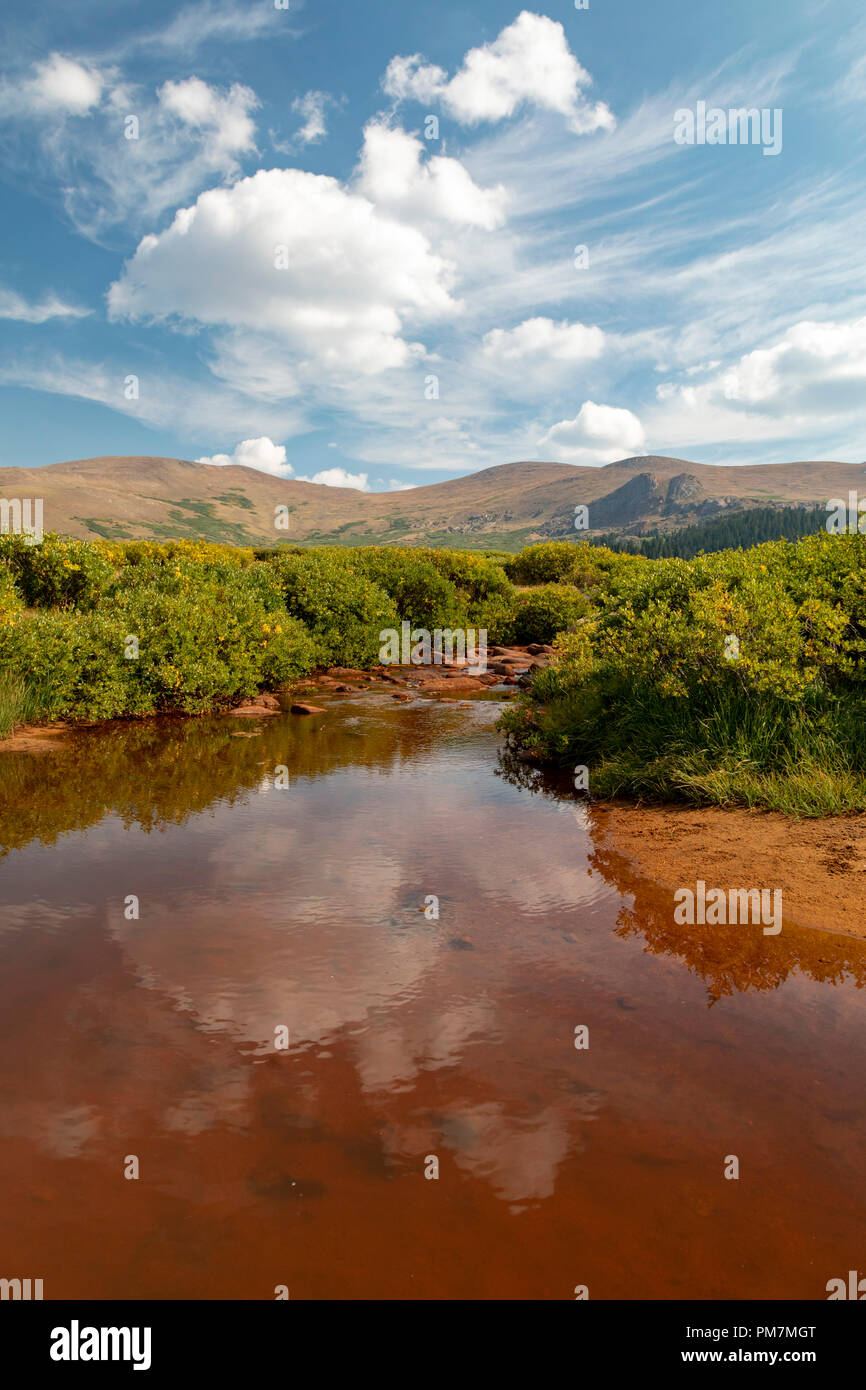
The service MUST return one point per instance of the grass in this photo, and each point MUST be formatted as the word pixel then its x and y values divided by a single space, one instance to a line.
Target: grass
pixel 19 703
pixel 107 530
pixel 237 499
pixel 735 751
pixel 479 542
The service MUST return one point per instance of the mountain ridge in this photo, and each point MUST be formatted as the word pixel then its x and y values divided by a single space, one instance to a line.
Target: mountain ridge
pixel 155 497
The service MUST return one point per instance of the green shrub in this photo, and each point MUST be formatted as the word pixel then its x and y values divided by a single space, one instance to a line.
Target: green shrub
pixel 476 578
pixel 496 616
pixel 733 677
pixel 17 705
pixel 59 573
pixel 343 609
pixel 420 593
pixel 74 660
pixel 196 648
pixel 10 598
pixel 547 610
pixel 586 566
pixel 549 562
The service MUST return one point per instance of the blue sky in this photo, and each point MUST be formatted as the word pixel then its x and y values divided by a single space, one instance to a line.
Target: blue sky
pixel 343 244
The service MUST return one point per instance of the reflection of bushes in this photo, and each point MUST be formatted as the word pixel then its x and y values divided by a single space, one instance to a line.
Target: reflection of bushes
pixel 158 772
pixel 732 958
pixel 727 959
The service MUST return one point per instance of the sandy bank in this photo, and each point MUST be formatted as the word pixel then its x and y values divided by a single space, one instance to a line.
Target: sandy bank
pixel 820 865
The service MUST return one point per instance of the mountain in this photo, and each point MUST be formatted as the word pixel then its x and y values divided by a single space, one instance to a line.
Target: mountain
pixel 501 507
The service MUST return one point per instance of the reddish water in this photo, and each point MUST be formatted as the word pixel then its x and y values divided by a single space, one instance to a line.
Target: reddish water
pixel 263 906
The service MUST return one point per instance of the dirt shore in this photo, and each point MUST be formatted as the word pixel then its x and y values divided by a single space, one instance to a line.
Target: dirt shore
pixel 820 865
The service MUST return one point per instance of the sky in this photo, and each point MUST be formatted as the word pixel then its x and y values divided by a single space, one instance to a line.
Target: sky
pixel 381 245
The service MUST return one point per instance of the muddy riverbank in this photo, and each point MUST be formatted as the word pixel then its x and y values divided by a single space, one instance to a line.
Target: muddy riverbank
pixel 819 865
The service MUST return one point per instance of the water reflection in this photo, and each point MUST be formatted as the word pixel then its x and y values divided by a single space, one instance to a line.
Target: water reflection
pixel 728 958
pixel 263 907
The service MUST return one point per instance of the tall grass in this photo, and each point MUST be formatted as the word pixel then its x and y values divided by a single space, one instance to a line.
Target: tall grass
pixel 731 750
pixel 19 702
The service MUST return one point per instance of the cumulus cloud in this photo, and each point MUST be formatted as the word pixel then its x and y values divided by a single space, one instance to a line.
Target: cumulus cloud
pixel 297 255
pixel 223 117
pixel 832 354
pixel 393 176
pixel 530 63
pixel 597 434
pixel 261 453
pixel 543 338
pixel 397 486
pixel 58 85
pixel 813 376
pixel 339 477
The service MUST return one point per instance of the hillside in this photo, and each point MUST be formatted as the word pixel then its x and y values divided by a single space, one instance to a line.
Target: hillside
pixel 505 506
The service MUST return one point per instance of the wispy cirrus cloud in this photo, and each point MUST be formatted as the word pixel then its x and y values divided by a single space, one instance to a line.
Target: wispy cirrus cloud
pixel 158 397
pixel 14 306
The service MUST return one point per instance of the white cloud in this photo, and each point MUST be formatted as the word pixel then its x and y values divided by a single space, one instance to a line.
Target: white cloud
pixel 351 277
pixel 530 63
pixel 830 354
pixel 312 107
pixel 186 134
pixel 223 119
pixel 14 306
pixel 256 365
pixel 812 379
pixel 60 84
pixel 542 338
pixel 397 486
pixel 338 477
pixel 166 400
pixel 205 21
pixel 393 176
pixel 597 434
pixel 261 453
pixel 410 78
